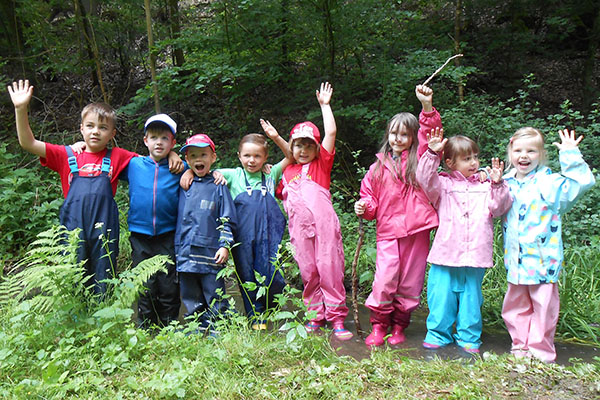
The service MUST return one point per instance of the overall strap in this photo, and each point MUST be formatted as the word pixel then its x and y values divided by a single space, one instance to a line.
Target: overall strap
pixel 106 161
pixel 72 160
pixel 263 186
pixel 248 187
pixel 305 170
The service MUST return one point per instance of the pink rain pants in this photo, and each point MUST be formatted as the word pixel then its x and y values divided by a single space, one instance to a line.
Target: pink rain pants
pixel 399 276
pixel 530 313
pixel 315 234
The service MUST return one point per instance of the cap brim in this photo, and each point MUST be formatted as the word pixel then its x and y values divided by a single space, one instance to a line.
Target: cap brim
pixel 184 148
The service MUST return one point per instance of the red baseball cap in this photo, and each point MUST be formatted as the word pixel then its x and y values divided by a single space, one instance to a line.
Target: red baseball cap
pixel 305 130
pixel 199 140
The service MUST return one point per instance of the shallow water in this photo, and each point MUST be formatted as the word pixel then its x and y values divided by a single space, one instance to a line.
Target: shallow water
pixel 497 342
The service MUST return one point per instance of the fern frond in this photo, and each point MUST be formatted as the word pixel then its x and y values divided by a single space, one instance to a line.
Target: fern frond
pixel 131 282
pixel 49 276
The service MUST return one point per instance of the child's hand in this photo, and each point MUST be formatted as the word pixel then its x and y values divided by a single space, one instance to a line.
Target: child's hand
pixel 436 139
pixel 269 129
pixel 186 179
pixel 425 96
pixel 20 93
pixel 78 147
pixel 360 207
pixel 266 169
pixel 175 163
pixel 495 172
pixel 222 255
pixel 567 140
pixel 219 178
pixel 324 95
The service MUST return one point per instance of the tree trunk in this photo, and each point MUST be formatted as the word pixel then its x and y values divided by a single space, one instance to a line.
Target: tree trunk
pixel 91 45
pixel 178 58
pixel 457 25
pixel 152 56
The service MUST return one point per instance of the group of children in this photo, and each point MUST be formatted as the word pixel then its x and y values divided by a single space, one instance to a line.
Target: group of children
pixel 196 220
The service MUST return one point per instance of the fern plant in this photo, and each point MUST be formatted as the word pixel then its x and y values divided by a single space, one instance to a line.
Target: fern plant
pixel 49 276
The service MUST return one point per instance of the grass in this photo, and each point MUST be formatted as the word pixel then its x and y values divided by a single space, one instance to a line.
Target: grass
pixel 89 348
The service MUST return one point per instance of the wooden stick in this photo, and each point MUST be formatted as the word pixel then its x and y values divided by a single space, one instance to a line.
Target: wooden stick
pixel 361 236
pixel 437 71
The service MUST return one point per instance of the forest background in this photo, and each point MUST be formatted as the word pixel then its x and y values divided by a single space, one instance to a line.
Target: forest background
pixel 218 66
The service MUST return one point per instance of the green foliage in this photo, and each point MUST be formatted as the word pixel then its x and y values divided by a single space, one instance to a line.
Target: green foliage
pixel 30 202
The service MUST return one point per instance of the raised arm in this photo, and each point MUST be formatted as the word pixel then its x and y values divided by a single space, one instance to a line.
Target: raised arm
pixel 272 133
pixel 429 118
pixel 324 99
pixel 20 94
pixel 425 96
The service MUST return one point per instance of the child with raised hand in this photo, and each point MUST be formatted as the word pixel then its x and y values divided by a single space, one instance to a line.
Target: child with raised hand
pixel 313 224
pixel 463 244
pixel 89 180
pixel 261 223
pixel 533 249
pixel 390 194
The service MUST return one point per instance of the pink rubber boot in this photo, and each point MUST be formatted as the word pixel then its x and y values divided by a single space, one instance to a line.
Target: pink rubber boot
pixel 397 335
pixel 375 338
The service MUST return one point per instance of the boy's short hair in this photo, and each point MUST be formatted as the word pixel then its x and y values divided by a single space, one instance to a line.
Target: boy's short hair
pixel 255 138
pixel 160 122
pixel 105 112
pixel 459 145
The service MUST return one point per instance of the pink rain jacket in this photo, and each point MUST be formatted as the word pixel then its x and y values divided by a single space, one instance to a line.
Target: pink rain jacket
pixel 400 209
pixel 465 208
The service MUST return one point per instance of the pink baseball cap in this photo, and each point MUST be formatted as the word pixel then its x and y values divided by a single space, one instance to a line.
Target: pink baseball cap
pixel 305 130
pixel 199 140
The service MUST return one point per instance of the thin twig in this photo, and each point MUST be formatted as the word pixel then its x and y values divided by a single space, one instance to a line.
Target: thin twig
pixel 361 235
pixel 437 71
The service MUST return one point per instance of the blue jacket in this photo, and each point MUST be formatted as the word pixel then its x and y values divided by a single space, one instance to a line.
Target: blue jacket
pixel 533 248
pixel 153 196
pixel 206 220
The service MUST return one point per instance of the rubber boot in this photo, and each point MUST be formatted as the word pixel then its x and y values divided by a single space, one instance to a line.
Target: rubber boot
pixel 397 335
pixel 375 338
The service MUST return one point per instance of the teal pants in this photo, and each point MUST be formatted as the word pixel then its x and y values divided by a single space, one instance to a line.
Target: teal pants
pixel 454 297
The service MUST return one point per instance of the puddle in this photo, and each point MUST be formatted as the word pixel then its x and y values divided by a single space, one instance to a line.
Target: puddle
pixel 497 342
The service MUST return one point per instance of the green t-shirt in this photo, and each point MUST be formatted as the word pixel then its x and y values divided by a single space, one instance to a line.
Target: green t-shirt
pixel 237 183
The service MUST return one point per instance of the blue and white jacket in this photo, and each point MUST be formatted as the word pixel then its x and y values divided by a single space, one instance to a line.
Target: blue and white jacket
pixel 153 196
pixel 205 222
pixel 533 248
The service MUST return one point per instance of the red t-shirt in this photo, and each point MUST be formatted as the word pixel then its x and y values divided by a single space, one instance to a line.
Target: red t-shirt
pixel 90 164
pixel 319 170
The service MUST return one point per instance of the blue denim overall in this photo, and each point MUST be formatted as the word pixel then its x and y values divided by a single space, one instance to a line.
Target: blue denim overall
pixel 89 203
pixel 260 229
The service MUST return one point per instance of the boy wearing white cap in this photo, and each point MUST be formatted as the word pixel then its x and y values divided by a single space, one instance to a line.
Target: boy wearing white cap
pixel 152 218
pixel 205 221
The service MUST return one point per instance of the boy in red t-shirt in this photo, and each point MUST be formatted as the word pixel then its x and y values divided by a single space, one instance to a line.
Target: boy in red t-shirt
pixel 89 180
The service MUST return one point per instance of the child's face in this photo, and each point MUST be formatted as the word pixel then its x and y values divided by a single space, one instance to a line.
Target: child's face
pixel 525 155
pixel 96 132
pixel 465 164
pixel 304 150
pixel 159 143
pixel 200 159
pixel 400 140
pixel 252 156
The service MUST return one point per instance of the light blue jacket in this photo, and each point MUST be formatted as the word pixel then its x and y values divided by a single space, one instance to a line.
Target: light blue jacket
pixel 533 249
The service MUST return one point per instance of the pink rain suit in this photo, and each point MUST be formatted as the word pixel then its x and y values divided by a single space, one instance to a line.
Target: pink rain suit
pixel 404 219
pixel 315 234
